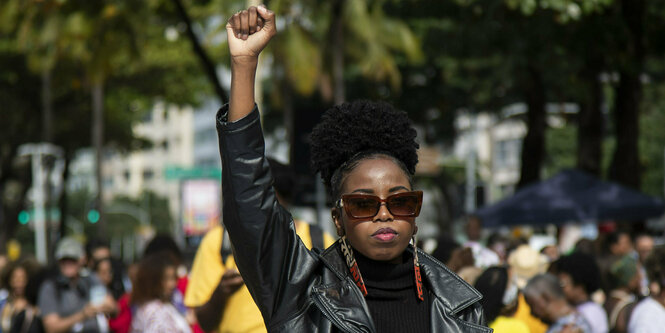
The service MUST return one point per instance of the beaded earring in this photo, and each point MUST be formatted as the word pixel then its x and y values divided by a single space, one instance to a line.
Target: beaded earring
pixel 416 270
pixel 352 264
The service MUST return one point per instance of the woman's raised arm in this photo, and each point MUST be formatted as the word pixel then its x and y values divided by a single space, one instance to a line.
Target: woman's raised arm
pixel 248 32
pixel 274 263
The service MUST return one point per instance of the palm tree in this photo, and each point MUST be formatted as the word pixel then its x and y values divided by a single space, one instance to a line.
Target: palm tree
pixel 96 34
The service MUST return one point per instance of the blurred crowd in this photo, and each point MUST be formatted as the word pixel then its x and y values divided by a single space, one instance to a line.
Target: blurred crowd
pixel 610 284
pixel 87 290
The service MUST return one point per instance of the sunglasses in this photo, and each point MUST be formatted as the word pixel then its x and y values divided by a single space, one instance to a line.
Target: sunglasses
pixel 404 204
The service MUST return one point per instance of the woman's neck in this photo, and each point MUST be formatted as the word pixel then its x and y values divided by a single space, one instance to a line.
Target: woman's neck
pixel 374 270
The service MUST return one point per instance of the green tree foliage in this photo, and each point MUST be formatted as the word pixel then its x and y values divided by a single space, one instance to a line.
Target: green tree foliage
pixel 136 49
pixel 156 208
pixel 124 216
pixel 560 150
pixel 485 54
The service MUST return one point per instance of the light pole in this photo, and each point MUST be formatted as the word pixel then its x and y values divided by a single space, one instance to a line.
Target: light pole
pixel 470 199
pixel 37 152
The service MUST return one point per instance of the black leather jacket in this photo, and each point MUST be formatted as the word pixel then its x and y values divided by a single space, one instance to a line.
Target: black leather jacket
pixel 298 290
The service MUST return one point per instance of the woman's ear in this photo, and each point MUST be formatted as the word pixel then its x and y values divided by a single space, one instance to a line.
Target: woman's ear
pixel 338 221
pixel 415 229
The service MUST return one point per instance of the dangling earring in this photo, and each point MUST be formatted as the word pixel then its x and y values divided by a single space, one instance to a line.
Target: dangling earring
pixel 416 269
pixel 352 264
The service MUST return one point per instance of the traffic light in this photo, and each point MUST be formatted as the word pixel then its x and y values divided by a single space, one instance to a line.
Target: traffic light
pixel 23 217
pixel 93 216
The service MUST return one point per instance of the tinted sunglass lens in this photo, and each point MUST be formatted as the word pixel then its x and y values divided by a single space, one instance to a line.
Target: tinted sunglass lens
pixel 363 207
pixel 403 205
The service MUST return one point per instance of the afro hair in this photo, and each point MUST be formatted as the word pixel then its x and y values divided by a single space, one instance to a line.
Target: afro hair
pixel 351 128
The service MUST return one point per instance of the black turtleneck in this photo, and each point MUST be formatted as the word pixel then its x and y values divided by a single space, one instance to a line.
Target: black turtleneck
pixel 391 295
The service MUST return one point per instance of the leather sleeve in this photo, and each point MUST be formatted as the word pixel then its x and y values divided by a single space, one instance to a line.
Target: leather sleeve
pixel 273 261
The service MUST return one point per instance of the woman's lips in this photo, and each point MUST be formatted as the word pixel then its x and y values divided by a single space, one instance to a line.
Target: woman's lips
pixel 385 234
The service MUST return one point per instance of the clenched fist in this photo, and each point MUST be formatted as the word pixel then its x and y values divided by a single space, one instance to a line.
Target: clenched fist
pixel 249 31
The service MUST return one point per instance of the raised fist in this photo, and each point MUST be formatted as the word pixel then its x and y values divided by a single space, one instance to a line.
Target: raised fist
pixel 249 31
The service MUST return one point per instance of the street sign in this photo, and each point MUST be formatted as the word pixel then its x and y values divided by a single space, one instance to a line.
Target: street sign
pixel 178 173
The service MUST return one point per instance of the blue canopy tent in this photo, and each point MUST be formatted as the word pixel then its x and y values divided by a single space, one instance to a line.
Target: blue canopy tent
pixel 571 196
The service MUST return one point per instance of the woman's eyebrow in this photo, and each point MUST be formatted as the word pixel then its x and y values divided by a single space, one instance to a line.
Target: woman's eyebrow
pixel 397 188
pixel 371 191
pixel 364 190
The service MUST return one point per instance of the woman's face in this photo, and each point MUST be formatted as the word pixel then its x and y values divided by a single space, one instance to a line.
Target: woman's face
pixel 169 282
pixel 382 237
pixel 105 272
pixel 18 281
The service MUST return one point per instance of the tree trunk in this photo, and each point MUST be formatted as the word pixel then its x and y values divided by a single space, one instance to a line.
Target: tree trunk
pixel 208 65
pixel 4 224
pixel 289 118
pixel 533 146
pixel 10 220
pixel 47 136
pixel 10 207
pixel 47 107
pixel 62 201
pixel 590 127
pixel 337 50
pixel 625 167
pixel 447 207
pixel 98 145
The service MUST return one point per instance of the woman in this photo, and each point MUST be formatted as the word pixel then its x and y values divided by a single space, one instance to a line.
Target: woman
pixel 16 279
pixel 372 279
pixel 155 281
pixel 500 300
pixel 103 269
pixel 29 319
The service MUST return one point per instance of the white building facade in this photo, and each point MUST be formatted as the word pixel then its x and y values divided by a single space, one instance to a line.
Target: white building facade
pixel 170 131
pixel 496 140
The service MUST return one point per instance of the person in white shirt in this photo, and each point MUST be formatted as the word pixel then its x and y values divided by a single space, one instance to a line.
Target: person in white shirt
pixel 649 314
pixel 483 256
pixel 155 281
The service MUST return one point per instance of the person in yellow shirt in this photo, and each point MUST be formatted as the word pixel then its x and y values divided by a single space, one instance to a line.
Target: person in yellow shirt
pixel 500 299
pixel 526 263
pixel 216 290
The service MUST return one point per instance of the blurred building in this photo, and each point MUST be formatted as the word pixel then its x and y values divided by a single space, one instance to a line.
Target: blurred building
pixel 82 172
pixel 496 140
pixel 206 148
pixel 169 132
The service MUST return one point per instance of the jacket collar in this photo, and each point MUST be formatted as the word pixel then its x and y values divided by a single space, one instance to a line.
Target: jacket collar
pixel 332 258
pixel 341 300
pixel 447 287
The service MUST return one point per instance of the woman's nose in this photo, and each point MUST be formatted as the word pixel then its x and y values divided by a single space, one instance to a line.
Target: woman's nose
pixel 383 214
